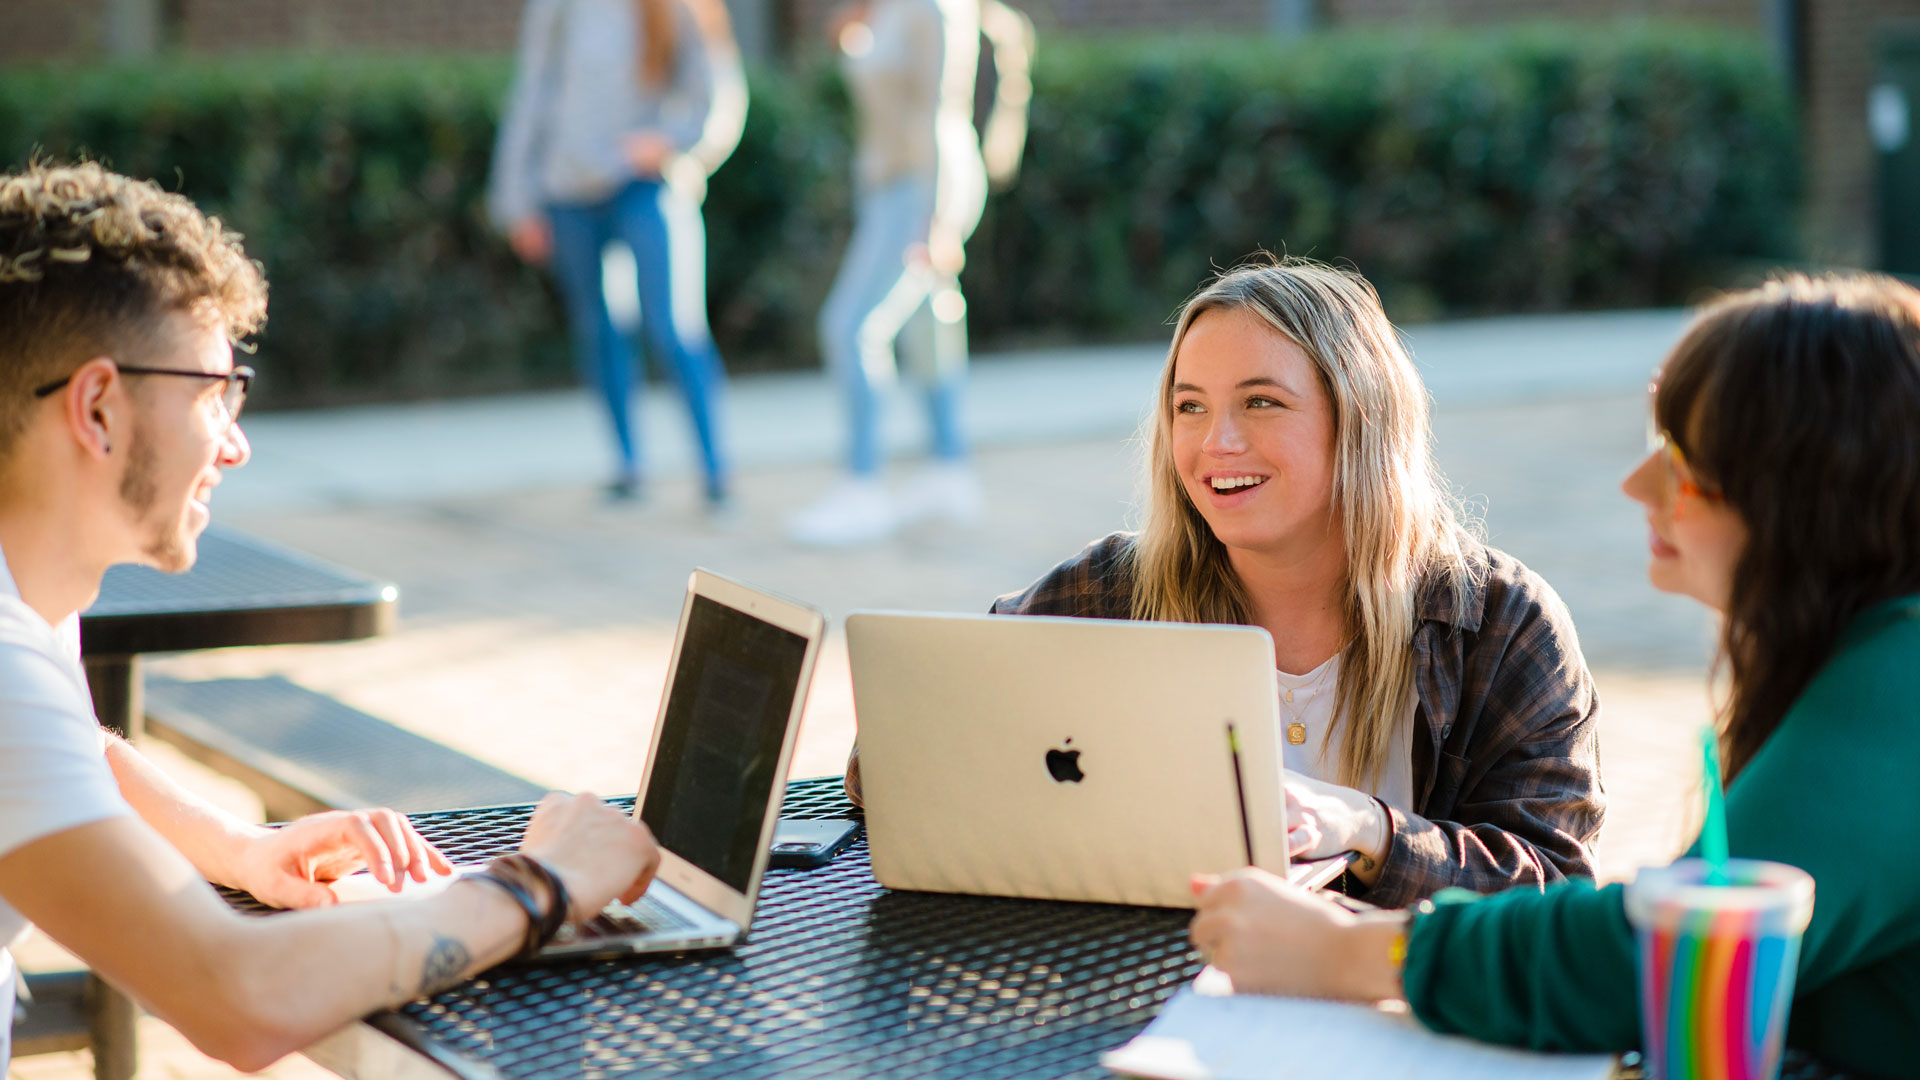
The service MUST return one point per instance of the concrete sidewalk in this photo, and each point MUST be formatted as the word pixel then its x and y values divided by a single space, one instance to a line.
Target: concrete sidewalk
pixel 474 448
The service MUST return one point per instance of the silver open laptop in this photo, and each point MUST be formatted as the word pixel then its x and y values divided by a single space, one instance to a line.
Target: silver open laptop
pixel 1067 759
pixel 737 683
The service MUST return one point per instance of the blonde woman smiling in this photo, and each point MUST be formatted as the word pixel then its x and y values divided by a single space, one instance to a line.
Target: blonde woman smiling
pixel 1438 717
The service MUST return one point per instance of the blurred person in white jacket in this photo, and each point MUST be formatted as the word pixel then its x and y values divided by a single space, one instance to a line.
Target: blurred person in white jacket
pixel 920 186
pixel 619 112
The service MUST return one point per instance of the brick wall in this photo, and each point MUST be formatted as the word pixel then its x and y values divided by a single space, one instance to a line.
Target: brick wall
pixel 1089 15
pixel 1741 13
pixel 32 29
pixel 1133 14
pixel 1259 14
pixel 222 25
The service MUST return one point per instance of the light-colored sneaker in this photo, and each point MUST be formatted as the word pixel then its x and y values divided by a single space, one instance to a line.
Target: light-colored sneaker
pixel 946 491
pixel 857 510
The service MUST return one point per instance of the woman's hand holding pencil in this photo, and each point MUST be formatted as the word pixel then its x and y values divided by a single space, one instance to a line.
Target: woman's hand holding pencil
pixel 1273 937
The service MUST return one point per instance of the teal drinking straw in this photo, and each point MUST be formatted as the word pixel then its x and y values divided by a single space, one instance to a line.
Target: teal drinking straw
pixel 1713 834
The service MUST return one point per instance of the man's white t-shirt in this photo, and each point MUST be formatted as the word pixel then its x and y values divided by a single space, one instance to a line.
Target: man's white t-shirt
pixel 1311 714
pixel 53 766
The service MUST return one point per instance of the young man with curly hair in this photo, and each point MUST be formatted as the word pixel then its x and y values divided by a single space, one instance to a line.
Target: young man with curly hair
pixel 119 304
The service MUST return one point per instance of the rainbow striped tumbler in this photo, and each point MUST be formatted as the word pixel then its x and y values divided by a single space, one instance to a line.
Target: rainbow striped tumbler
pixel 1717 965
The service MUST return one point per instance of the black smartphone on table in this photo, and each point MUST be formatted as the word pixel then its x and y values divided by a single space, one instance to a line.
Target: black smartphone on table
pixel 806 844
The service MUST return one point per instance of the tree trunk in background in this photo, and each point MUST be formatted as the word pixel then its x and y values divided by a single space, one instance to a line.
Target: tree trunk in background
pixel 1891 104
pixel 762 27
pixel 1786 24
pixel 1291 18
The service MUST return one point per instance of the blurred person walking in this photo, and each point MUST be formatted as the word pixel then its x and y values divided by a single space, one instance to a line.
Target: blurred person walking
pixel 619 112
pixel 920 186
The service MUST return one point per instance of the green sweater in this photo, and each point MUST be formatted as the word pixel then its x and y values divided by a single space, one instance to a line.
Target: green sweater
pixel 1835 791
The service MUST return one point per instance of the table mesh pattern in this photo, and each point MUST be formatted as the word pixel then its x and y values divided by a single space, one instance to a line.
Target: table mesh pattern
pixel 231 573
pixel 841 978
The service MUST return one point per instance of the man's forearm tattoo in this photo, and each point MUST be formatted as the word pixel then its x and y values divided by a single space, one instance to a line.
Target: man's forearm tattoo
pixel 445 965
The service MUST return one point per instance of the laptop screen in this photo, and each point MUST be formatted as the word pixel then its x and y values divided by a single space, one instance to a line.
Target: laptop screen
pixel 713 774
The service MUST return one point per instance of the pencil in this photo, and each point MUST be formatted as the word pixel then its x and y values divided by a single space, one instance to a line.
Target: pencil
pixel 1240 789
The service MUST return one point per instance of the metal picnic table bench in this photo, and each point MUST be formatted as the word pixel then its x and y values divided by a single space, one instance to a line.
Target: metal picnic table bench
pixel 299 750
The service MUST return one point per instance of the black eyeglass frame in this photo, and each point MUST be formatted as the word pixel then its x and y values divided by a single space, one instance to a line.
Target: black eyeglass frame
pixel 241 376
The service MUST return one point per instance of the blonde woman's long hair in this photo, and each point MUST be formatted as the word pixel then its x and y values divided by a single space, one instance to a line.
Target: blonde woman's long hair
pixel 1399 522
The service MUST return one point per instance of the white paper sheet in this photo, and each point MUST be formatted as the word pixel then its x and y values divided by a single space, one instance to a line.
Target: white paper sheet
pixel 1203 1036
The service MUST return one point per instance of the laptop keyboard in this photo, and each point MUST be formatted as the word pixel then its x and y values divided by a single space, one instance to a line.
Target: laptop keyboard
pixel 644 916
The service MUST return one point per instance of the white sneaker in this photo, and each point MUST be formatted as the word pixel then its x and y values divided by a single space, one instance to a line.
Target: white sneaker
pixel 857 511
pixel 943 491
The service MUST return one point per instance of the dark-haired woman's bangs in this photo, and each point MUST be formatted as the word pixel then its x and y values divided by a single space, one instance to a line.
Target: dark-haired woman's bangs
pixel 1680 394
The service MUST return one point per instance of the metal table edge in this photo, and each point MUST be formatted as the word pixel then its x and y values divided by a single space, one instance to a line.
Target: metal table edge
pixel 412 1036
pixel 346 618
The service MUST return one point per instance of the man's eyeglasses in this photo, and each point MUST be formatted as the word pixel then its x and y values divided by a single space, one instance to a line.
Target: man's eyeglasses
pixel 232 398
pixel 1660 442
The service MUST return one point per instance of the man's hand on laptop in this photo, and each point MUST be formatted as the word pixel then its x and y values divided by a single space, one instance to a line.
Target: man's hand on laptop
pixel 600 853
pixel 289 867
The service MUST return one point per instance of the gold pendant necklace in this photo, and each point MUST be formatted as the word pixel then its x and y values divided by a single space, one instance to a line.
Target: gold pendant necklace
pixel 1297 730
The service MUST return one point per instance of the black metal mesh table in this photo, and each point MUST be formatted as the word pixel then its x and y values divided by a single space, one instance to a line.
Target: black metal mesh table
pixel 242 591
pixel 841 978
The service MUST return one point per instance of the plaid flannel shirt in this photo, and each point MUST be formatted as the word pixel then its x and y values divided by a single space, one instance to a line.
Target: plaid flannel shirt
pixel 1506 751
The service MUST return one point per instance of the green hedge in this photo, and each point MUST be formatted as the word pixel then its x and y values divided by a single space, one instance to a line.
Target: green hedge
pixel 1530 169
pixel 1523 169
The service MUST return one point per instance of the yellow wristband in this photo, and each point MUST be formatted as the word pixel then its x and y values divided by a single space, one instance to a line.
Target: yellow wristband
pixel 1397 948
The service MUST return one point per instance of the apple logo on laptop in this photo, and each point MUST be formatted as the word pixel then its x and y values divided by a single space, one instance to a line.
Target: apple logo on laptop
pixel 1064 765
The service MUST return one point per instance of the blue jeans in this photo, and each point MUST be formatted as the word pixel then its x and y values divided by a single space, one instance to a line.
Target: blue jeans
pixel 877 297
pixel 669 246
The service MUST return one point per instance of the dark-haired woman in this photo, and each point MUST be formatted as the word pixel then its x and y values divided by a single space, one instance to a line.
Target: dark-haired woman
pixel 1783 490
pixel 619 112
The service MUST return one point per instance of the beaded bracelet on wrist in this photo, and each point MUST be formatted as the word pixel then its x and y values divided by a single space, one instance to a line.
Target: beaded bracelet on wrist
pixel 560 905
pixel 521 896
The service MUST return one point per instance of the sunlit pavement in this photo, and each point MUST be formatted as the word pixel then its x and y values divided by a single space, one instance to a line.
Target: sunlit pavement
pixel 536 617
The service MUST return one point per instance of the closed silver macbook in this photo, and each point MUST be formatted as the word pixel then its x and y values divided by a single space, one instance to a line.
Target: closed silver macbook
pixel 1067 759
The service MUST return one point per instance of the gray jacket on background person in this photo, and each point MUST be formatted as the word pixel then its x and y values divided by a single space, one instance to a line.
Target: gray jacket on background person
pixel 912 84
pixel 577 94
